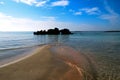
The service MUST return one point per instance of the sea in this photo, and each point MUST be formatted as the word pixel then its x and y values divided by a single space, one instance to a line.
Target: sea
pixel 88 41
pixel 104 47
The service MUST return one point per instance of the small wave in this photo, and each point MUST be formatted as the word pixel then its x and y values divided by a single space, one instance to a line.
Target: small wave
pixel 20 47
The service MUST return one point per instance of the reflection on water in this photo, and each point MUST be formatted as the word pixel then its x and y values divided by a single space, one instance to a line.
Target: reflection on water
pixel 51 39
pixel 65 38
pixel 40 39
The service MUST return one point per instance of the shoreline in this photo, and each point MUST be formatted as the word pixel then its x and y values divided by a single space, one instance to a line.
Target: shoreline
pixel 19 57
pixel 47 62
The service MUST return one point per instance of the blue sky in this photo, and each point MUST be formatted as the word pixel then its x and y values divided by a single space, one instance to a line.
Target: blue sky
pixel 77 15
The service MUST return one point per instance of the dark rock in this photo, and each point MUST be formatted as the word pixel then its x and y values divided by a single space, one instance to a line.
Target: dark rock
pixel 54 31
pixel 65 31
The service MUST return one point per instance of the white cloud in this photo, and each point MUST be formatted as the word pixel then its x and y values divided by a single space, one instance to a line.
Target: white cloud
pixel 75 12
pixel 1 3
pixel 9 23
pixel 91 11
pixel 78 13
pixel 29 2
pixel 71 10
pixel 49 18
pixel 60 3
pixel 33 2
pixel 41 3
pixel 111 16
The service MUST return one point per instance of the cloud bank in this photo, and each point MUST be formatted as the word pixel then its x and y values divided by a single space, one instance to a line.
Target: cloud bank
pixel 9 23
pixel 41 3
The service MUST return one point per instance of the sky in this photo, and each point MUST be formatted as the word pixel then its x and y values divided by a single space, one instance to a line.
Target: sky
pixel 76 15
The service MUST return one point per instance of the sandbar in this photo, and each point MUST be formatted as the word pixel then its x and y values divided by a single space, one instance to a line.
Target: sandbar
pixel 44 64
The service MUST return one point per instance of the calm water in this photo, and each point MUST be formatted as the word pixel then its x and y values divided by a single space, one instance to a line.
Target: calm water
pixel 11 43
pixel 101 49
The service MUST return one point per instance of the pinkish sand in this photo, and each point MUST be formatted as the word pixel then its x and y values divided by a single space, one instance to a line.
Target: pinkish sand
pixel 46 63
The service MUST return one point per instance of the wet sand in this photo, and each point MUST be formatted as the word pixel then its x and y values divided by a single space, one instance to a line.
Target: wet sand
pixel 47 63
pixel 22 53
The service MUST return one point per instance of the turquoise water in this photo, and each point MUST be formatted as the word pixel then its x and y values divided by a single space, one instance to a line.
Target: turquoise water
pixel 101 49
pixel 94 42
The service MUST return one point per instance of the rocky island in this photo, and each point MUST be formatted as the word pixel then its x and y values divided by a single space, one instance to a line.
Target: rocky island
pixel 54 31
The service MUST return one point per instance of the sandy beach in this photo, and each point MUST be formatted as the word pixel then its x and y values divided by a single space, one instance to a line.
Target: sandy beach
pixel 46 63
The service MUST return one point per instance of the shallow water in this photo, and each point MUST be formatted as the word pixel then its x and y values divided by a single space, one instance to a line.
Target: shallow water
pixel 101 49
pixel 95 42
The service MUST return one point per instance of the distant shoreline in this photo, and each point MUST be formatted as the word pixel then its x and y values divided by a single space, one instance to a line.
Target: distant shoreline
pixel 112 31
